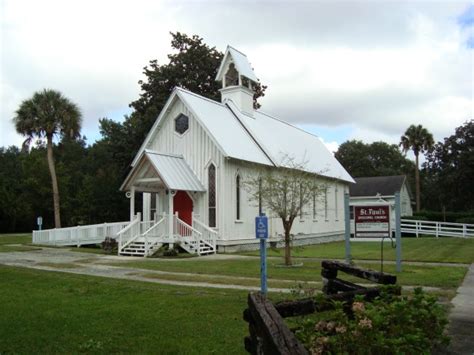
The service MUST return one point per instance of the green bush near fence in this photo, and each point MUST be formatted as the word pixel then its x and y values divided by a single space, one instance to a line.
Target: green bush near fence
pixel 453 217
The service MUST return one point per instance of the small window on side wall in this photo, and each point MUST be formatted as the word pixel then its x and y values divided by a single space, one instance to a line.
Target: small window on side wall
pixel 181 124
pixel 211 191
pixel 237 197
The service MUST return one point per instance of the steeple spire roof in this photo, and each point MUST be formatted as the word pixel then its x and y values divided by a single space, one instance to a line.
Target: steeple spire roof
pixel 240 61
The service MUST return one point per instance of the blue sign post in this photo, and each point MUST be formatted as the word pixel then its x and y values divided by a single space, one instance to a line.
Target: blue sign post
pixel 261 232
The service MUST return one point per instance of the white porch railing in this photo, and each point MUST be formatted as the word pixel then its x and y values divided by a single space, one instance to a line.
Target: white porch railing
pixel 79 235
pixel 155 235
pixel 137 234
pixel 188 236
pixel 131 232
pixel 438 229
pixel 208 235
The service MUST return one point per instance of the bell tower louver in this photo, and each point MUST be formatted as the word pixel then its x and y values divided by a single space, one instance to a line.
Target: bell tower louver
pixel 238 78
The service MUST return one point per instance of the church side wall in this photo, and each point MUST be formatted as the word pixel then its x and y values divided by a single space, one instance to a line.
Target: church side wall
pixel 326 224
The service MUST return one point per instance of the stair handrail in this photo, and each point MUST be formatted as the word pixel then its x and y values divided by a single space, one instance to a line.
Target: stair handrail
pixel 195 235
pixel 185 225
pixel 157 224
pixel 136 220
pixel 212 235
pixel 206 227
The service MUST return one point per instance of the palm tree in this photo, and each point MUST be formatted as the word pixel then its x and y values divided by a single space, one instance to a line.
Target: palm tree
pixel 418 139
pixel 46 114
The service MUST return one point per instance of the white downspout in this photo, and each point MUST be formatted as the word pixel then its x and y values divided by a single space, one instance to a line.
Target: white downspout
pixel 132 203
pixel 170 218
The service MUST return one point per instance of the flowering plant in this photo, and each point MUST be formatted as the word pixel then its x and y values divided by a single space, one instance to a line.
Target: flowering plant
pixel 388 325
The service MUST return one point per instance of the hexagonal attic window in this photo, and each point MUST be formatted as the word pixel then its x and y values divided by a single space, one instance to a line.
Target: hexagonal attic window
pixel 181 123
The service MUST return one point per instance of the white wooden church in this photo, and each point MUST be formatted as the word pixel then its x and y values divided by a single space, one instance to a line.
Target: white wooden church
pixel 190 168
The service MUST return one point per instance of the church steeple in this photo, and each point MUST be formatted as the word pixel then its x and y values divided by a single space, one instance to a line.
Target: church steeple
pixel 237 77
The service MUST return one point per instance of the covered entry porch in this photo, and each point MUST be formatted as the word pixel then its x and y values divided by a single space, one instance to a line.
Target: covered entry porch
pixel 171 196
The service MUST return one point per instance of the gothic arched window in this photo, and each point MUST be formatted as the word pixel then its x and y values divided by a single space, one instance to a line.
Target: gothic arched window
pixel 232 76
pixel 211 191
pixel 237 197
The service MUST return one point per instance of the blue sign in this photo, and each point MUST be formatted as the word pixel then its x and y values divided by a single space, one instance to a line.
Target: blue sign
pixel 261 232
pixel 261 227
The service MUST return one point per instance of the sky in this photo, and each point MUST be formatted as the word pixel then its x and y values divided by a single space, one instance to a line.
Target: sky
pixel 342 70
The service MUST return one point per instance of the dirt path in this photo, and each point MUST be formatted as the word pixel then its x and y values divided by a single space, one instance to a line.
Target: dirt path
pixel 61 260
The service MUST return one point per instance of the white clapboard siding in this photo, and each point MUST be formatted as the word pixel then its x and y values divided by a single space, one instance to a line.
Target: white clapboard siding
pixel 198 149
pixel 245 228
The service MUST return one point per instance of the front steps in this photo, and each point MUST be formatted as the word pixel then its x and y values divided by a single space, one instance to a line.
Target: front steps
pixel 203 248
pixel 137 248
pixel 143 238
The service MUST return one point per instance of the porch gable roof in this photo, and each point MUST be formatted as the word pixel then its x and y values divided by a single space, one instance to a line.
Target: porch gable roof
pixel 173 171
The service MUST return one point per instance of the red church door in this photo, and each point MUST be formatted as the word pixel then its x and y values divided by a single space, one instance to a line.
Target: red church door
pixel 183 204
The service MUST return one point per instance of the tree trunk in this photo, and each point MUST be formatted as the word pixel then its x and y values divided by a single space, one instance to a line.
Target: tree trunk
pixel 417 182
pixel 287 248
pixel 287 228
pixel 54 182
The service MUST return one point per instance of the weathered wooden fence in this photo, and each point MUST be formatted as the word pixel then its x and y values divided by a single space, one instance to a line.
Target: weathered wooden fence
pixel 268 332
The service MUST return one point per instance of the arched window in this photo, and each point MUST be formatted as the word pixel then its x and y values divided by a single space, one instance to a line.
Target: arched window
pixel 326 203
pixel 237 197
pixel 301 202
pixel 211 191
pixel 232 76
pixel 315 212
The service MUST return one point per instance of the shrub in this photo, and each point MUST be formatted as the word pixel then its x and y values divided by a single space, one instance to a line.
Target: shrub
pixel 466 220
pixel 109 245
pixel 389 325
pixel 164 250
pixel 440 216
pixel 170 252
pixel 416 218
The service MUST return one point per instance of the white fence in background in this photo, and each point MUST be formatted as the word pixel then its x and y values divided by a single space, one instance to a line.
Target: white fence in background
pixel 438 229
pixel 90 234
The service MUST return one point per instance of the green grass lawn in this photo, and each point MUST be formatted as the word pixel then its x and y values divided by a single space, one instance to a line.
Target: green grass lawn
pixel 423 275
pixel 22 239
pixel 48 312
pixel 15 238
pixel 452 250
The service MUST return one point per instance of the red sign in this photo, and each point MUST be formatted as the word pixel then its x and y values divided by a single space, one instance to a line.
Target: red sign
pixel 372 221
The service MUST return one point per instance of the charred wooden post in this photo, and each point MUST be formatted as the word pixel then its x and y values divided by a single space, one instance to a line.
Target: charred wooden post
pixel 331 268
pixel 333 285
pixel 268 332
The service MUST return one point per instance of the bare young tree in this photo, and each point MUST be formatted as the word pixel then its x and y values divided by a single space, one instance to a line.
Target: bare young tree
pixel 284 192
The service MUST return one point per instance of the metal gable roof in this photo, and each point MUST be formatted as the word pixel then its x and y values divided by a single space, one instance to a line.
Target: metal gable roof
pixel 223 126
pixel 373 185
pixel 281 140
pixel 241 63
pixel 174 171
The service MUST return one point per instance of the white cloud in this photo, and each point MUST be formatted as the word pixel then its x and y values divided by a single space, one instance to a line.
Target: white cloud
pixel 333 146
pixel 376 66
